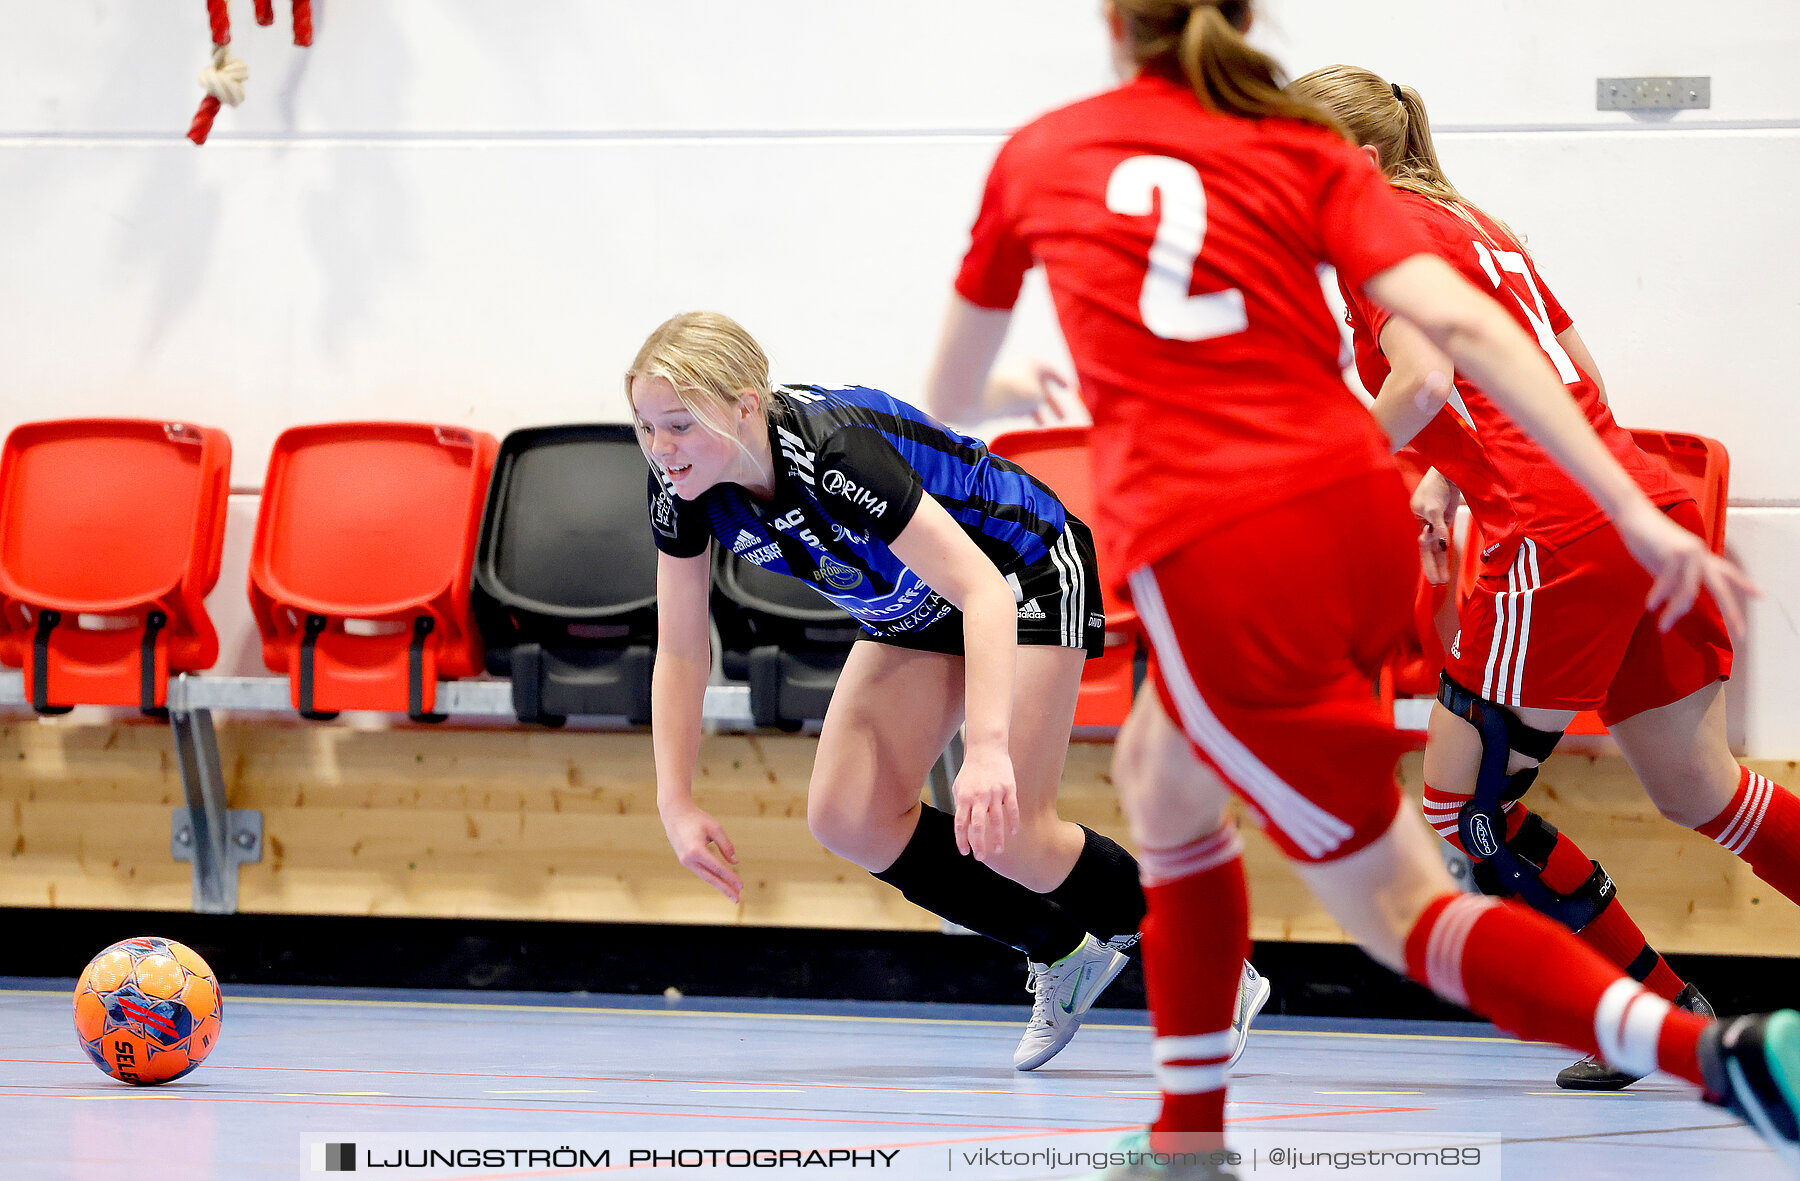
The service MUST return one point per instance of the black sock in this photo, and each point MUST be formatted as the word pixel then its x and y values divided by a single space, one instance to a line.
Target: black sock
pixel 1103 892
pixel 932 874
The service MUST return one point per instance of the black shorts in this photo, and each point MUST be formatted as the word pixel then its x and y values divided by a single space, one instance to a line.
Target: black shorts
pixel 1058 597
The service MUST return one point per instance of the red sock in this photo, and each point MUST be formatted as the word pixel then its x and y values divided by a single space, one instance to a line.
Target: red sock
pixel 1661 979
pixel 1613 933
pixel 1530 977
pixel 1196 935
pixel 1761 824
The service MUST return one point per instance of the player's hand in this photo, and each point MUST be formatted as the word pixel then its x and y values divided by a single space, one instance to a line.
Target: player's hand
pixel 987 802
pixel 700 844
pixel 1434 503
pixel 1036 389
pixel 1681 567
pixel 1061 404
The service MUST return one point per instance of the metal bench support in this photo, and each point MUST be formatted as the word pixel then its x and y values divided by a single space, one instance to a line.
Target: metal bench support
pixel 216 839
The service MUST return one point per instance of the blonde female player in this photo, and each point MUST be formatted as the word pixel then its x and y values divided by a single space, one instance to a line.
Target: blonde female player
pixel 979 598
pixel 1251 505
pixel 1554 626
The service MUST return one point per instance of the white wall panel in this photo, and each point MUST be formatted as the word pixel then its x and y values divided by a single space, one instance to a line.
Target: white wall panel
pixel 258 285
pixel 454 66
pixel 1765 684
pixel 593 65
pixel 252 287
pixel 544 67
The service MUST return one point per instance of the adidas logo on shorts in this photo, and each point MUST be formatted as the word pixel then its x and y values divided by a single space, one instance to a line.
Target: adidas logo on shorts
pixel 1029 609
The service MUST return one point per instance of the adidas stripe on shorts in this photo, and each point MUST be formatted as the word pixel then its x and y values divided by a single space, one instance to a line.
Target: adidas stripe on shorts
pixel 1566 629
pixel 1058 604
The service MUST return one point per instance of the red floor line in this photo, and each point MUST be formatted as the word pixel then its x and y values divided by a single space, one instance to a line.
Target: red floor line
pixel 1258 1119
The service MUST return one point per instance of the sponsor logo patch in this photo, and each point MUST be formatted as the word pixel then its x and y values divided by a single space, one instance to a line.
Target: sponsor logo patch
pixel 836 483
pixel 794 522
pixel 1029 609
pixel 662 514
pixel 924 615
pixel 836 575
pixel 898 606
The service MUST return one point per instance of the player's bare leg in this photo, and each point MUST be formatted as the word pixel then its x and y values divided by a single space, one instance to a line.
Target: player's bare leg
pixel 892 712
pixel 1681 754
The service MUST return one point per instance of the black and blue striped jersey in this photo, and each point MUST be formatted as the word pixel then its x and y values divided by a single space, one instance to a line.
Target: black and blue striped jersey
pixel 850 467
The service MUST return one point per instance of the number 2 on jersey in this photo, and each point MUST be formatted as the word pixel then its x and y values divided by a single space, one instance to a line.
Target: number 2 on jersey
pixel 1164 303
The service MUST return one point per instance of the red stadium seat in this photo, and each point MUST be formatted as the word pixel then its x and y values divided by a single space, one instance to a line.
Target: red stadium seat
pixel 360 571
pixel 1058 456
pixel 110 538
pixel 1703 466
pixel 1700 463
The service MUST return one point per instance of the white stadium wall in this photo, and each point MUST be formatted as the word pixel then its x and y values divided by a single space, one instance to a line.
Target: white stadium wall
pixel 470 211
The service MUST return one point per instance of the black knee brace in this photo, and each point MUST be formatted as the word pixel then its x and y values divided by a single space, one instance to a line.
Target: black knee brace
pixel 1508 868
pixel 1526 855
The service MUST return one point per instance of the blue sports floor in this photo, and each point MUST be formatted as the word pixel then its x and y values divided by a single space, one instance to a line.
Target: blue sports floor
pixel 507 1074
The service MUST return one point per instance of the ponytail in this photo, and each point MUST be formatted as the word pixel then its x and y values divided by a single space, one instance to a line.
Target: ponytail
pixel 1416 168
pixel 1391 119
pixel 1203 40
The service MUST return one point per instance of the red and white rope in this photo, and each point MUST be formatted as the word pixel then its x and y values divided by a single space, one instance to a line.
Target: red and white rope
pixel 223 79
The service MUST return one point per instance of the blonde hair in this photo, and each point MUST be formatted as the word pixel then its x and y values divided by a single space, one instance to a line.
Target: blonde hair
pixel 1391 119
pixel 1203 41
pixel 711 361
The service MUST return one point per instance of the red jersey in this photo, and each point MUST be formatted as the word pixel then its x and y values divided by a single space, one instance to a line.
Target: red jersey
pixel 1183 250
pixel 1513 488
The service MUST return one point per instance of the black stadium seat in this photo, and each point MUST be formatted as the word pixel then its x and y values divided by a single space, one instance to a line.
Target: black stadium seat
pixel 565 576
pixel 782 636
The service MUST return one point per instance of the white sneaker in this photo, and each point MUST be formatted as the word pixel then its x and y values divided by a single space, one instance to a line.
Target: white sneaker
pixel 1253 994
pixel 1062 993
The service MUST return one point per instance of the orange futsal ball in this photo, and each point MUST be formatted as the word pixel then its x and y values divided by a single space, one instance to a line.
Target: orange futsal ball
pixel 147 1010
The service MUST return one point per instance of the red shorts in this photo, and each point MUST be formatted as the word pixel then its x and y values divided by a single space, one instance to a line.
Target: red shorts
pixel 1267 635
pixel 1566 629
